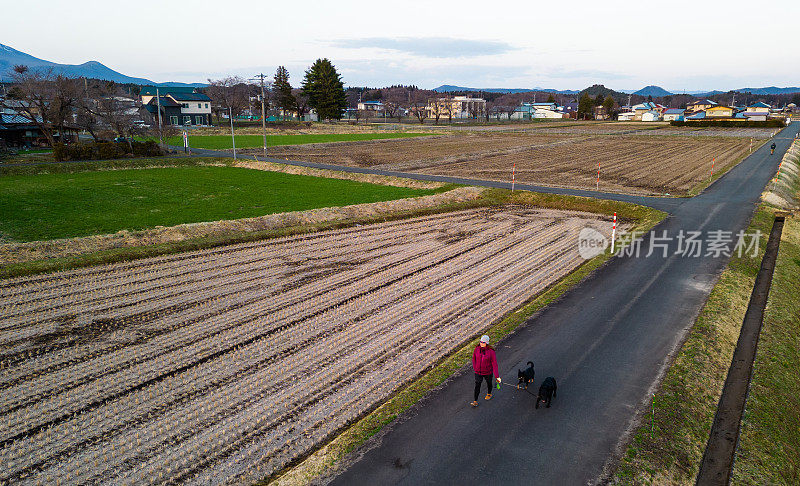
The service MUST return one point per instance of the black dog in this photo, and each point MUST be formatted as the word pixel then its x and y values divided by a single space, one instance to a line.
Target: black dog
pixel 525 376
pixel 547 391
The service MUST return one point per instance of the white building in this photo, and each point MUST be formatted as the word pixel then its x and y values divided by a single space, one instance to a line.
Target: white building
pixel 651 116
pixel 375 106
pixel 547 113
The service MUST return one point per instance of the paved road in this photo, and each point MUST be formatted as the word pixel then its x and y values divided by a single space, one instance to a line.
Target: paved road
pixel 607 342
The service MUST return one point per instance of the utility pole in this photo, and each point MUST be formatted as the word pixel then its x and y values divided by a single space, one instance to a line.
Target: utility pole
pixel 158 106
pixel 629 101
pixel 263 115
pixel 233 139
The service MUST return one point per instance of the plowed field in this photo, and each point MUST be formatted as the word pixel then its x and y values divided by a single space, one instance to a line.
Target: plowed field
pixel 628 163
pixel 223 365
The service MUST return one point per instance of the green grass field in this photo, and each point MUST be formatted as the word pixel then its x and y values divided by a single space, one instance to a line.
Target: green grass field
pixel 62 205
pixel 217 142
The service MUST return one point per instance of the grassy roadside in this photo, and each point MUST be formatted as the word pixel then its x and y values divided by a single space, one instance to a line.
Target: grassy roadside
pixel 769 441
pixel 217 142
pixel 324 460
pixel 668 446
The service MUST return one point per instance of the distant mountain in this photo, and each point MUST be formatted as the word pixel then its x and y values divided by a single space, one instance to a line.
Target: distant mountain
pixel 771 90
pixel 10 57
pixel 448 88
pixel 654 91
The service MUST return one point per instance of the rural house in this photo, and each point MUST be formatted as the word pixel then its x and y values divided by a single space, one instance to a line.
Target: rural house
pixel 720 112
pixel 651 116
pixel 459 106
pixel 757 112
pixel 759 107
pixel 700 105
pixel 674 114
pixel 375 106
pixel 179 106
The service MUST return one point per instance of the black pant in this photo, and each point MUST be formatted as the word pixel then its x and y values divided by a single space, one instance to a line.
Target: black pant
pixel 479 381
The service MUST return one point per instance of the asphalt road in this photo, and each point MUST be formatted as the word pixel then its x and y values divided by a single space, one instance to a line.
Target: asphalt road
pixel 607 342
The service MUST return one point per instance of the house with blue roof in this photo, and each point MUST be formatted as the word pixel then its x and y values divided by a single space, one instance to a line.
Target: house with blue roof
pixel 760 106
pixel 373 106
pixel 674 114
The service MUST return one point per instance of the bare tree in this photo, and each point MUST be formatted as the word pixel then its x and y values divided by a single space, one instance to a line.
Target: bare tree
pixel 46 100
pixel 510 110
pixel 301 101
pixel 448 109
pixel 85 120
pixel 105 103
pixel 474 110
pixel 436 107
pixel 419 105
pixel 231 94
pixel 393 101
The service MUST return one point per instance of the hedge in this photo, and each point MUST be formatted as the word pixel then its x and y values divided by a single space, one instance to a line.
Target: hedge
pixel 106 150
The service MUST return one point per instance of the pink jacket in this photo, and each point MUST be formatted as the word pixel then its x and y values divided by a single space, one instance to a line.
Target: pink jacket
pixel 484 361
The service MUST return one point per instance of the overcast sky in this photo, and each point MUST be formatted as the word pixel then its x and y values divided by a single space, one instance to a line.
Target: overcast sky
pixel 624 44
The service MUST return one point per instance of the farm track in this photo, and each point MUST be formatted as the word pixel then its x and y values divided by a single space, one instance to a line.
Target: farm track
pixel 224 365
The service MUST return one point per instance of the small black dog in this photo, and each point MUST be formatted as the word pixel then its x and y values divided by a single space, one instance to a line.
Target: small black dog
pixel 547 391
pixel 525 376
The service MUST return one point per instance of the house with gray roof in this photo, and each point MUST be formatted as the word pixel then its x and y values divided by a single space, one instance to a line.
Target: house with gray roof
pixel 179 106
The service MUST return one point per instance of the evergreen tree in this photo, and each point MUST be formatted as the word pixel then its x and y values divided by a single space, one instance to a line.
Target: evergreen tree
pixel 608 104
pixel 585 105
pixel 599 100
pixel 325 90
pixel 282 91
pixel 551 99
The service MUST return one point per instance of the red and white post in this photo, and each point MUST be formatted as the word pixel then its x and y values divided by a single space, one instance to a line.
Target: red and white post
pixel 712 167
pixel 597 185
pixel 513 176
pixel 613 233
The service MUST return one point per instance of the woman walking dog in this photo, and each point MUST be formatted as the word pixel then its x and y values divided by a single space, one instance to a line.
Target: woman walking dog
pixel 484 362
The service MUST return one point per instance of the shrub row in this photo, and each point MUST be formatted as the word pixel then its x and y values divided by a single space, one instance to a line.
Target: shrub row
pixel 729 123
pixel 106 150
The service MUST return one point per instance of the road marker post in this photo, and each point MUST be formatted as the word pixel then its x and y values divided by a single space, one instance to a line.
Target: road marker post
pixel 513 176
pixel 712 168
pixel 613 233
pixel 597 185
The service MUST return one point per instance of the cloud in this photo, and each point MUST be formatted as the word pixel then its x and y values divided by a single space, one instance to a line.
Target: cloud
pixel 585 74
pixel 380 72
pixel 436 47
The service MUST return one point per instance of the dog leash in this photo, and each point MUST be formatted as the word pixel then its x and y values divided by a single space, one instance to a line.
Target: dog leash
pixel 518 388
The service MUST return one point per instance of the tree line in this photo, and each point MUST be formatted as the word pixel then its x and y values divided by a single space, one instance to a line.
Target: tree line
pixel 322 89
